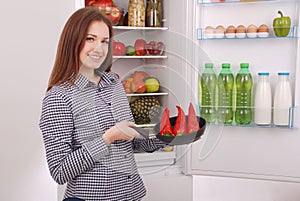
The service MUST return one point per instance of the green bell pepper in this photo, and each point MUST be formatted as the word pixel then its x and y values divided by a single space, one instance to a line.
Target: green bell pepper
pixel 281 25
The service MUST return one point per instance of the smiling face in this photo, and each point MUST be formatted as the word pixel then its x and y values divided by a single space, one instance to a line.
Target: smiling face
pixel 95 48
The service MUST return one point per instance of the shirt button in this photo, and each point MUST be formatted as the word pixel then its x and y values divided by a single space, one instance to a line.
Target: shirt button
pixel 128 176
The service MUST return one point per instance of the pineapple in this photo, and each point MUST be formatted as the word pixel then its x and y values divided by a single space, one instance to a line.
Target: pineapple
pixel 146 109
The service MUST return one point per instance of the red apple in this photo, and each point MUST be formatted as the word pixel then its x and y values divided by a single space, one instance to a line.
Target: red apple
pixel 119 48
pixel 140 47
pixel 115 15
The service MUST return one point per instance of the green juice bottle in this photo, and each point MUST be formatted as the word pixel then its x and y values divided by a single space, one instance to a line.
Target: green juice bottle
pixel 208 93
pixel 244 84
pixel 225 94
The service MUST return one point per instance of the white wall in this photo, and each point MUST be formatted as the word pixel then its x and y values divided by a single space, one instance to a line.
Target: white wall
pixel 29 35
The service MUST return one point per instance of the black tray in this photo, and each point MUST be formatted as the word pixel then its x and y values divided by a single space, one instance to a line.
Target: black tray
pixel 182 139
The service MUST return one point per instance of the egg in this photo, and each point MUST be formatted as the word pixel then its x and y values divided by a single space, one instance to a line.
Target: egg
pixel 219 29
pixel 241 29
pixel 230 29
pixel 209 30
pixel 263 28
pixel 251 28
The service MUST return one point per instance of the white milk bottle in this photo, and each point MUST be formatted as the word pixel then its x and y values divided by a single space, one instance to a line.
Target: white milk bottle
pixel 263 100
pixel 282 100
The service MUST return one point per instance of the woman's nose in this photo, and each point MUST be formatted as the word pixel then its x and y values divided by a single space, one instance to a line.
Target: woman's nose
pixel 99 46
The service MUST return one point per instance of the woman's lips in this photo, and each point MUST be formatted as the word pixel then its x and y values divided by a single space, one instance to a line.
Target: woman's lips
pixel 95 56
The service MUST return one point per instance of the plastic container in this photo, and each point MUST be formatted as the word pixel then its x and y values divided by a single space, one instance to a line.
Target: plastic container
pixel 154 13
pixel 263 100
pixel 282 100
pixel 208 93
pixel 136 13
pixel 244 85
pixel 225 94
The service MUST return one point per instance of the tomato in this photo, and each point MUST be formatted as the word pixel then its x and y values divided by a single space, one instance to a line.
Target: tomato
pixel 119 48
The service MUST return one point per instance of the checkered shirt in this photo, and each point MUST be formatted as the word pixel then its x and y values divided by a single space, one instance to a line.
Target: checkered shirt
pixel 72 122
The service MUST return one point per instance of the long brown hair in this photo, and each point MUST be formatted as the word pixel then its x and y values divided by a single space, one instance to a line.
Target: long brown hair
pixel 67 64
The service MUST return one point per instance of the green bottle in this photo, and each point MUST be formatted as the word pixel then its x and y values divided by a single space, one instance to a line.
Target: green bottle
pixel 225 94
pixel 208 93
pixel 244 84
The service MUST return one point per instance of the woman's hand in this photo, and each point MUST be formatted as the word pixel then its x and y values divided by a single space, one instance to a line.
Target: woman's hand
pixel 121 131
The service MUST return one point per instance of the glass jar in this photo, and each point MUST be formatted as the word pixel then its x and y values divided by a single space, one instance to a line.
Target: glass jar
pixel 154 12
pixel 136 13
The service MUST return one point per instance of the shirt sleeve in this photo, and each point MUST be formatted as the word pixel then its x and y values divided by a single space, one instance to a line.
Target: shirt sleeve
pixel 56 123
pixel 147 145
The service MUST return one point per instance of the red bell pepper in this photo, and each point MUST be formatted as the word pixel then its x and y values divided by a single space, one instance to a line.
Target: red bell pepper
pixel 165 124
pixel 193 124
pixel 180 125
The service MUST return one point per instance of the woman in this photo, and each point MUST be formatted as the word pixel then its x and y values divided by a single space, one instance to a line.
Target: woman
pixel 86 119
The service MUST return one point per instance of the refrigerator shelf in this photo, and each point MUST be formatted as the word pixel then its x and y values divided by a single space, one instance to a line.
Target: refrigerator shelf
pixel 140 28
pixel 202 36
pixel 141 57
pixel 291 120
pixel 236 1
pixel 149 94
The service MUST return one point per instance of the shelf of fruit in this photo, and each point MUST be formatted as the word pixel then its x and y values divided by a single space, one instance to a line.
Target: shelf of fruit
pixel 140 49
pixel 149 94
pixel 140 28
pixel 141 57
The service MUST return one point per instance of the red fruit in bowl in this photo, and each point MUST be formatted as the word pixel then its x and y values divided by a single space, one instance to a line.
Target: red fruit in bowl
pixel 115 15
pixel 140 47
pixel 119 48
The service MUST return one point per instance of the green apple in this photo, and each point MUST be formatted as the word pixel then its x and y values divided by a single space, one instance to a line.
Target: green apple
pixel 130 50
pixel 152 84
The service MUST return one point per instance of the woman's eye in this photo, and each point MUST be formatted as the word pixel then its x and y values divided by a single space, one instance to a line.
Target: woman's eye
pixel 105 42
pixel 90 39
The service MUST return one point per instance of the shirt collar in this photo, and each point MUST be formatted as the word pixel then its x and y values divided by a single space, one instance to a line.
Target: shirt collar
pixel 107 78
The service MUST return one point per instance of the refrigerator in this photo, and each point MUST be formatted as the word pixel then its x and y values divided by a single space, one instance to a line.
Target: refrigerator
pixel 254 153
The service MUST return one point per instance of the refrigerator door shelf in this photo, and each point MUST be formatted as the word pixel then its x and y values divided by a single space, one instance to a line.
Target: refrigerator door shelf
pixel 231 1
pixel 201 35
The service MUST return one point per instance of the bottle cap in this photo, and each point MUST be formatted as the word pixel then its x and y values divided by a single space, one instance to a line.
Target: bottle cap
pixel 244 65
pixel 283 73
pixel 209 65
pixel 225 65
pixel 263 73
